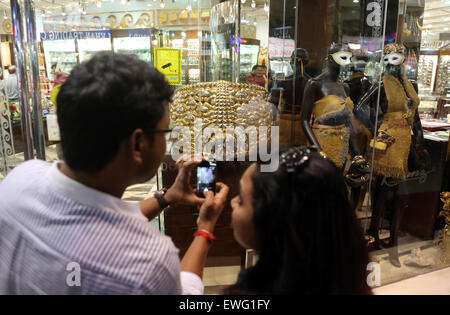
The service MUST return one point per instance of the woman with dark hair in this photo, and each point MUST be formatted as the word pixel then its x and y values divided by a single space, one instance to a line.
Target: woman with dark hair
pixel 299 221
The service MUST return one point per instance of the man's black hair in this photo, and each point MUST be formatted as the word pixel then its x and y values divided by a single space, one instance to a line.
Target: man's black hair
pixel 53 66
pixel 102 102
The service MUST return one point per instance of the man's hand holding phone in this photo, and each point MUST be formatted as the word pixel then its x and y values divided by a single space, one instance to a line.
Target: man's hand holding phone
pixel 181 190
pixel 210 205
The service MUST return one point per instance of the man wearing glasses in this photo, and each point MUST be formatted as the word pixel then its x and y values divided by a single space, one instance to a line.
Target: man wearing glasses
pixel 64 228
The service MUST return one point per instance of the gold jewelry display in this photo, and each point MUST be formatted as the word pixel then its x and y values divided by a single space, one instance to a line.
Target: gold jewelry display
pixel 445 213
pixel 221 104
pixel 7 26
pixel 323 154
pixel 444 73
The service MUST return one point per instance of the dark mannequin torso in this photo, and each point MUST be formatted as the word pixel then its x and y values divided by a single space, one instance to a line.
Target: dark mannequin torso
pixel 316 89
pixel 316 92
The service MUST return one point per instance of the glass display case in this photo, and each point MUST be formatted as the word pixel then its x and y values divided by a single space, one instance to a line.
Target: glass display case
pixel 191 56
pixel 89 47
pixel 225 44
pixel 443 80
pixel 248 55
pixel 140 46
pixel 223 56
pixel 63 53
pixel 426 76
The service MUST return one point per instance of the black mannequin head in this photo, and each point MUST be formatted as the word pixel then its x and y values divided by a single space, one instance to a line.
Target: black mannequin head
pixel 359 62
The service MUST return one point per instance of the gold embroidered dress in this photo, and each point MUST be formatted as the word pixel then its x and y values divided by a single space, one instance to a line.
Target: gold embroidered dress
pixel 391 157
pixel 332 119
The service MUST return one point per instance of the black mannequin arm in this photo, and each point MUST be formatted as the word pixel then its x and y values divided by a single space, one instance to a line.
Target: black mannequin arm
pixel 366 109
pixel 418 140
pixel 347 89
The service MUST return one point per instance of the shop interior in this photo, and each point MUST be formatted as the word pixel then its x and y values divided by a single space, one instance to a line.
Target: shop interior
pixel 214 46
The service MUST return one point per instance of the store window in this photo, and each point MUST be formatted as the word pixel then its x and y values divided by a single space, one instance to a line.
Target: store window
pixel 366 81
pixel 394 157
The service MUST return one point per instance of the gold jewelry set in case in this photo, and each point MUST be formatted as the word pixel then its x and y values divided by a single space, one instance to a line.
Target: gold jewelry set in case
pixel 221 105
pixel 425 72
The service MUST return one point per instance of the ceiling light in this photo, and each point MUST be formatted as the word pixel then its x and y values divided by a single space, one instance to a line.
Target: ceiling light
pixel 189 7
pixel 266 7
pixel 162 4
pixel 355 1
pixel 253 4
pixel 98 3
pixel 243 1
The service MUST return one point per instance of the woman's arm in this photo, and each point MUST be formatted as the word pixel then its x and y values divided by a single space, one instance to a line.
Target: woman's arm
pixel 195 257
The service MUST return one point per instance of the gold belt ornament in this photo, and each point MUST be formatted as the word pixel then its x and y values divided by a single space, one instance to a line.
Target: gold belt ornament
pixel 221 104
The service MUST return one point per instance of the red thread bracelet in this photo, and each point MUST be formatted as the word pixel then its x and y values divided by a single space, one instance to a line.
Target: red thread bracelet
pixel 206 235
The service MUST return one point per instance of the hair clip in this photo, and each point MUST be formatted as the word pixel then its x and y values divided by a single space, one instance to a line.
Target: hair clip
pixel 295 157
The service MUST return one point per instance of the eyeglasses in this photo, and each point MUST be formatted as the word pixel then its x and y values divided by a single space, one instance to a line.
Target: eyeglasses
pixel 295 157
pixel 160 130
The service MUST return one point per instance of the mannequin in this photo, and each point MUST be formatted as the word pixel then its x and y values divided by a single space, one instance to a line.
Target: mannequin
pixel 359 84
pixel 397 117
pixel 282 93
pixel 326 100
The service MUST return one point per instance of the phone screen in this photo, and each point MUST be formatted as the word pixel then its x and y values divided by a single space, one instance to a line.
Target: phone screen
pixel 206 177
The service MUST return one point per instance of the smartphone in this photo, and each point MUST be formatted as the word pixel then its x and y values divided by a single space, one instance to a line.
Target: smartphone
pixel 206 177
